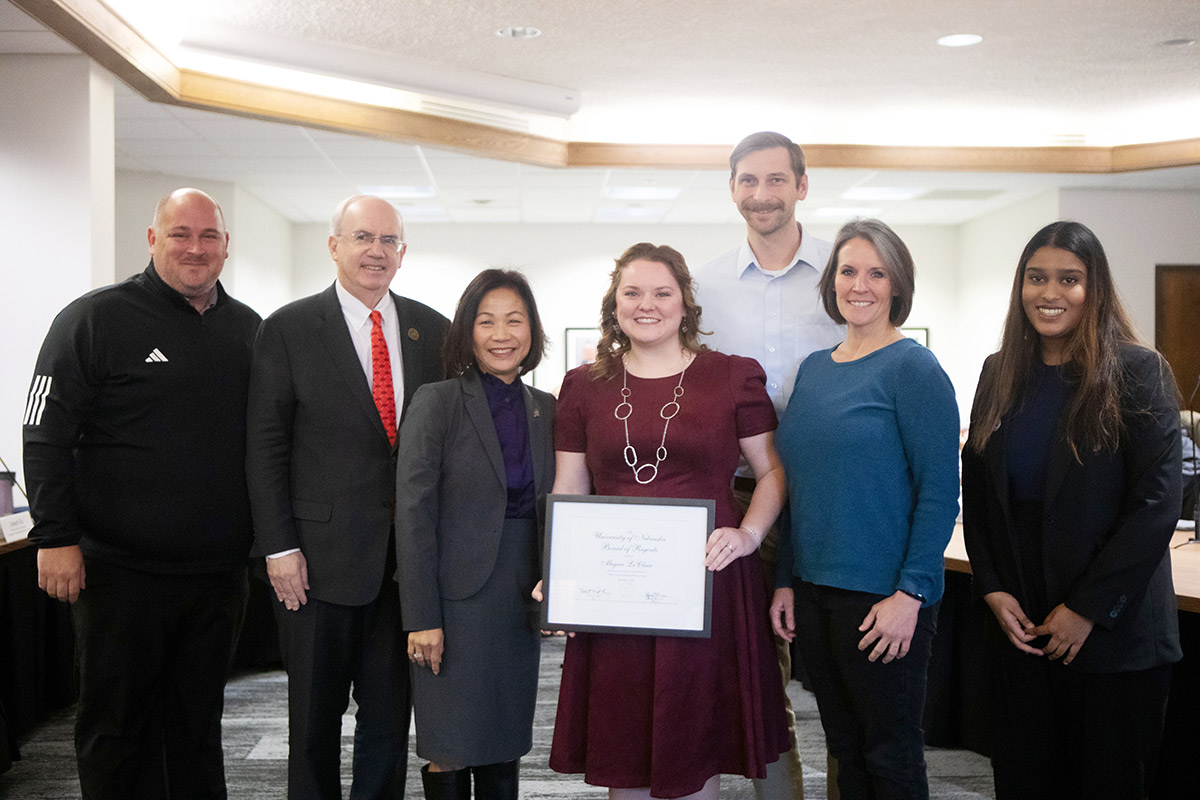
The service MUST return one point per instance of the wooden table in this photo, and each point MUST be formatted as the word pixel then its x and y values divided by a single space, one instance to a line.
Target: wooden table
pixel 10 547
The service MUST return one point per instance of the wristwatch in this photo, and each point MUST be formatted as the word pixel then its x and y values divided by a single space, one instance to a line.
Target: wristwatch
pixel 920 598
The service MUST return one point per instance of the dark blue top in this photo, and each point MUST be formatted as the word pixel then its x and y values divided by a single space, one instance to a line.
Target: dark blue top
pixel 1031 432
pixel 1031 436
pixel 507 402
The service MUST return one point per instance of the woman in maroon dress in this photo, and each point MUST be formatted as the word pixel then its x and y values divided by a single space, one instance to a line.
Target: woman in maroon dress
pixel 651 716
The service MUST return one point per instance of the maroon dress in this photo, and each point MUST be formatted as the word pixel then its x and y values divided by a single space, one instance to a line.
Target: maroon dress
pixel 661 711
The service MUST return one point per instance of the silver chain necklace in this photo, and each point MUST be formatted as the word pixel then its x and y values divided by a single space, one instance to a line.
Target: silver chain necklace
pixel 624 410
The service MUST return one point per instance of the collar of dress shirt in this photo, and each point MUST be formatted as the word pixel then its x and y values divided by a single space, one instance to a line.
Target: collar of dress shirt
pixel 213 296
pixel 806 255
pixel 357 314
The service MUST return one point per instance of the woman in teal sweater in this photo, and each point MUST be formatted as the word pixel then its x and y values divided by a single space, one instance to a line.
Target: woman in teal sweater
pixel 869 442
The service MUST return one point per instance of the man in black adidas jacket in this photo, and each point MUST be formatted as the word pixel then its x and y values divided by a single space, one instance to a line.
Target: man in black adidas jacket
pixel 134 436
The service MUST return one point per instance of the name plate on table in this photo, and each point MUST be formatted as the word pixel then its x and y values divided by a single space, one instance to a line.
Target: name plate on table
pixel 627 565
pixel 16 526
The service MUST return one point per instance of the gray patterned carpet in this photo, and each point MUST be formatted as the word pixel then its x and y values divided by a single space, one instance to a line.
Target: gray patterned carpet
pixel 255 735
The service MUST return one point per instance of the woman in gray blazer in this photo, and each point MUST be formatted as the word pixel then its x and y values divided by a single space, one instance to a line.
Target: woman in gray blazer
pixel 478 458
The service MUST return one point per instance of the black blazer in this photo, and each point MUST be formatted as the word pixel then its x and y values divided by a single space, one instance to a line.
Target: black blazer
pixel 1105 530
pixel 451 493
pixel 320 469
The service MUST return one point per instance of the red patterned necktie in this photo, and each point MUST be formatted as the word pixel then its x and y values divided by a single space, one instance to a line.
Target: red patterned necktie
pixel 381 382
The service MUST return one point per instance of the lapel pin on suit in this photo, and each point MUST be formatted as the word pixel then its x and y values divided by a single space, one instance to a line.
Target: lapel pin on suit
pixel 537 412
pixel 414 334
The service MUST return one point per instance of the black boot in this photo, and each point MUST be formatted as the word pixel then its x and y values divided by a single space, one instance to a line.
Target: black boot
pixel 454 785
pixel 496 781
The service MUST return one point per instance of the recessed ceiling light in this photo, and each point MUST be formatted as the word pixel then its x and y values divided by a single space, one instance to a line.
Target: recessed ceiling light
pixel 641 192
pixel 960 40
pixel 519 32
pixel 628 213
pixel 400 192
pixel 1178 43
pixel 837 212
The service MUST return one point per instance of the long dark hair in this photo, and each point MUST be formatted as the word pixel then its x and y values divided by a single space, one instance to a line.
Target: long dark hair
pixel 1091 352
pixel 613 342
pixel 458 350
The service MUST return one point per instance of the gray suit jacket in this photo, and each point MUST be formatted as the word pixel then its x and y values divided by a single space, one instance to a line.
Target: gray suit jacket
pixel 320 469
pixel 451 493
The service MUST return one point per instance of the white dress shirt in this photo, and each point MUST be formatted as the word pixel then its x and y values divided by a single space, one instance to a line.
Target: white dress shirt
pixel 358 320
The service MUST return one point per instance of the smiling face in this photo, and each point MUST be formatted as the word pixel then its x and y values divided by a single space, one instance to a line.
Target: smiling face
pixel 366 271
pixel 766 191
pixel 1053 292
pixel 501 334
pixel 649 304
pixel 189 244
pixel 862 286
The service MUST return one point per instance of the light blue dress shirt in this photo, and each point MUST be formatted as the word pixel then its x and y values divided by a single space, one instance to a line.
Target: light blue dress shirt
pixel 775 317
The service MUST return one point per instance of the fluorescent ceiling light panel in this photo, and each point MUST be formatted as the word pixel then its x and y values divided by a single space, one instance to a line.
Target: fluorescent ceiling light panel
pixel 400 192
pixel 834 212
pixel 629 213
pixel 641 192
pixel 425 213
pixel 877 193
pixel 960 40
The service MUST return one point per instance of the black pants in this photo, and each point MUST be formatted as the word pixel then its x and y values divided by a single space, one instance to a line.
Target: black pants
pixel 871 712
pixel 153 654
pixel 330 651
pixel 1062 733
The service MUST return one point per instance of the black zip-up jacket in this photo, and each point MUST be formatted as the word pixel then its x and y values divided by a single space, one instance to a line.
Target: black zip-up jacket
pixel 135 429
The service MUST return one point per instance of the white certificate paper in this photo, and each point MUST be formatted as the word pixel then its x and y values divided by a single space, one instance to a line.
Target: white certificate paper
pixel 628 565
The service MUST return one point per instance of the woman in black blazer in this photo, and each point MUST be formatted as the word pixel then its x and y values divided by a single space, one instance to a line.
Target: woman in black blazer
pixel 1071 490
pixel 477 459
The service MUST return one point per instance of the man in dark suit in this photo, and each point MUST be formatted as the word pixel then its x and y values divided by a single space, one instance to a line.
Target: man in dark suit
pixel 332 375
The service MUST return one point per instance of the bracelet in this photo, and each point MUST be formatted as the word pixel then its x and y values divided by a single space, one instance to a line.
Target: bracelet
pixel 753 534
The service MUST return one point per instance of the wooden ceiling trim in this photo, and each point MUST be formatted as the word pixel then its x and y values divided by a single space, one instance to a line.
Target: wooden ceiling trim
pixel 95 30
pixel 199 90
pixel 107 39
pixel 1156 155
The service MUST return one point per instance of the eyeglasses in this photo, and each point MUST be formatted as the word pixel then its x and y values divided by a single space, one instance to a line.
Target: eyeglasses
pixel 364 240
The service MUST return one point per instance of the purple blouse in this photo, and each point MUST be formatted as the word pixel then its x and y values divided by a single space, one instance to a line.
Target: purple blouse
pixel 507 402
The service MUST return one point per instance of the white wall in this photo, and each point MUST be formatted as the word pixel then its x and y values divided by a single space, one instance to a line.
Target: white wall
pixel 56 192
pixel 1139 229
pixel 259 269
pixel 989 248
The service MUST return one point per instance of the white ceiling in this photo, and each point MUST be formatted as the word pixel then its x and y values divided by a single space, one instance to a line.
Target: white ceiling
pixel 1076 62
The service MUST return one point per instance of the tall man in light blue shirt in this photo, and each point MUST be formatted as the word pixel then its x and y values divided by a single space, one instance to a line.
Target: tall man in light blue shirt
pixel 761 300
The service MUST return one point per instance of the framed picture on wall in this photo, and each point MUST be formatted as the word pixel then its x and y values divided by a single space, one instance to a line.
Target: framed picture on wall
pixel 919 335
pixel 579 345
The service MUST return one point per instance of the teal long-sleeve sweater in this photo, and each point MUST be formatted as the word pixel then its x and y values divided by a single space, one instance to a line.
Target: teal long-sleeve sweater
pixel 870 448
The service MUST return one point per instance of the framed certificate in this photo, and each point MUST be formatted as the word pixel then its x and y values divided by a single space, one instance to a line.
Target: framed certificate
pixel 627 565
